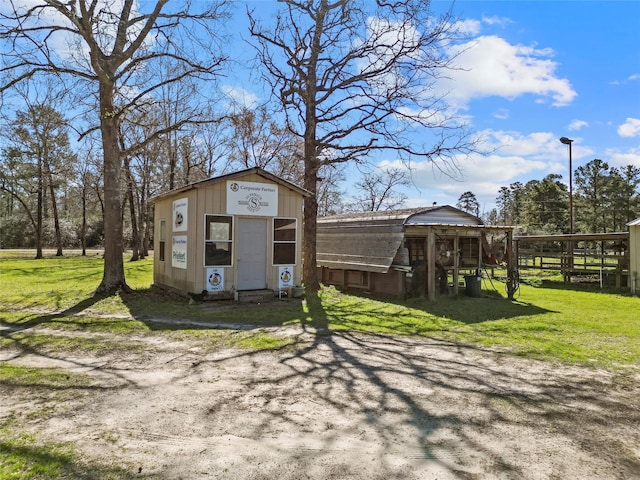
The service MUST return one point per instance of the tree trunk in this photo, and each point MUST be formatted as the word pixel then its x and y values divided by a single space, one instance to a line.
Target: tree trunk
pixel 310 214
pixel 135 234
pixel 83 228
pixel 39 209
pixel 54 208
pixel 142 224
pixel 113 277
pixel 310 270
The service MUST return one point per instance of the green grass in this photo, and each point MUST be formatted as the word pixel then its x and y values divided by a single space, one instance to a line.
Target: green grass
pixel 23 456
pixel 19 376
pixel 549 319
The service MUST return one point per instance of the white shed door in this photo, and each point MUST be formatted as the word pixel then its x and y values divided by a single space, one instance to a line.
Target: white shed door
pixel 251 251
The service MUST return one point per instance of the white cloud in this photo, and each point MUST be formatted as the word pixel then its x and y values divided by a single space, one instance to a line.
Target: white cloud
pixel 630 128
pixel 240 97
pixel 514 157
pixel 617 158
pixel 577 125
pixel 469 26
pixel 495 20
pixel 502 114
pixel 491 66
pixel 630 78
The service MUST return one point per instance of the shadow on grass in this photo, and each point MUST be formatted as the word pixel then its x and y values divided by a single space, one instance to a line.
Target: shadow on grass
pixel 34 321
pixel 36 461
pixel 468 310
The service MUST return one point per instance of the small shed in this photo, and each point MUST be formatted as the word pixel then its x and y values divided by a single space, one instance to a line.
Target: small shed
pixel 232 233
pixel 417 251
pixel 634 256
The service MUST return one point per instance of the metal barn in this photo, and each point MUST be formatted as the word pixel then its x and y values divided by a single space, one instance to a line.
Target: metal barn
pixel 419 251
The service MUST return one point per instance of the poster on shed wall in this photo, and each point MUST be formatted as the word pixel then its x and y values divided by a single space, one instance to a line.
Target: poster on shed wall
pixel 179 251
pixel 180 210
pixel 285 277
pixel 252 198
pixel 215 279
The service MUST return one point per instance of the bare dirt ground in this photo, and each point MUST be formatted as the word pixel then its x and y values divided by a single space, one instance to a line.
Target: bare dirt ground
pixel 334 406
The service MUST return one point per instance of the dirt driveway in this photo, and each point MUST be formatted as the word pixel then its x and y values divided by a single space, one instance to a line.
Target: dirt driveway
pixel 334 406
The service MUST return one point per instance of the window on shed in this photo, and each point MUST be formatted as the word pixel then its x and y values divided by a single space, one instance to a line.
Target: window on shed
pixel 163 241
pixel 284 241
pixel 218 240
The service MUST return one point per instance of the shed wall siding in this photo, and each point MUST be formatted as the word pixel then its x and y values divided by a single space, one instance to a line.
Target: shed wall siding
pixel 634 258
pixel 211 199
pixel 164 272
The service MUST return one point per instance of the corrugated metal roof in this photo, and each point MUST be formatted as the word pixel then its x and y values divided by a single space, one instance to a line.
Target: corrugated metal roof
pixel 633 223
pixel 369 241
pixel 437 214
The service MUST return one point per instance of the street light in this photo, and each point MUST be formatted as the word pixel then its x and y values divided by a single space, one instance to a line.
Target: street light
pixel 568 141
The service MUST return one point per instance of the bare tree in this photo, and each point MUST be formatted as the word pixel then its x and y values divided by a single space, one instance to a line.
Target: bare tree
pixel 378 190
pixel 354 77
pixel 259 141
pixel 117 52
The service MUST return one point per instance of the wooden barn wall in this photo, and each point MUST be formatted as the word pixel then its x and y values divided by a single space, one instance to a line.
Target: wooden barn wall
pixel 390 283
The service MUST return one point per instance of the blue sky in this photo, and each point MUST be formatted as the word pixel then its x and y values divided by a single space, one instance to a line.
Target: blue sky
pixel 535 71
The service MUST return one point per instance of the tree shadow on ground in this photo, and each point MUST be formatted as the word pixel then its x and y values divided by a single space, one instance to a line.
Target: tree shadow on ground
pixel 405 404
pixel 463 308
pixel 36 320
pixel 431 402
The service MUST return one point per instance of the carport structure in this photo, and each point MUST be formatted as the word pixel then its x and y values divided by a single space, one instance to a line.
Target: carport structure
pixel 418 251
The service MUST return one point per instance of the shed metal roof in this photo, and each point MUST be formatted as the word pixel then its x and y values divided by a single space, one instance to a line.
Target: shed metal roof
pixel 369 241
pixel 230 176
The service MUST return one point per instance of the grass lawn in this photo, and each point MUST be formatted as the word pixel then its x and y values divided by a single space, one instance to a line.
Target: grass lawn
pixel 549 320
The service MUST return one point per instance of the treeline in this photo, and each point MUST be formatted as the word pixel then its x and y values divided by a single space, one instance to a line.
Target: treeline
pixel 604 198
pixel 52 190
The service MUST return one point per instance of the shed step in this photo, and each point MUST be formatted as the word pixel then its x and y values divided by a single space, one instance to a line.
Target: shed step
pixel 255 296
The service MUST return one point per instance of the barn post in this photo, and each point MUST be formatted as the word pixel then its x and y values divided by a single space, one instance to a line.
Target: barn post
pixel 430 274
pixel 512 266
pixel 456 264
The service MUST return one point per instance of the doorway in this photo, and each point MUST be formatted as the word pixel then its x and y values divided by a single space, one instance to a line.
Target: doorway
pixel 251 250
